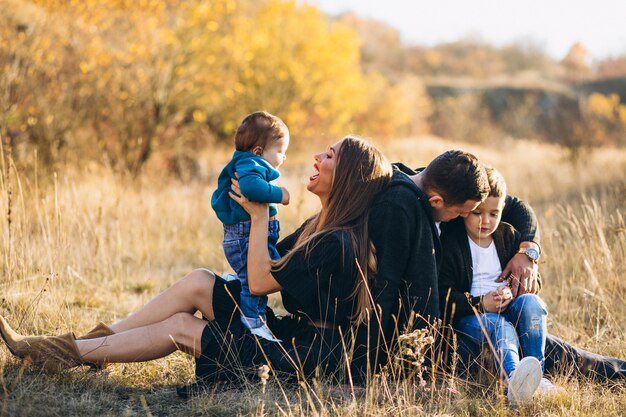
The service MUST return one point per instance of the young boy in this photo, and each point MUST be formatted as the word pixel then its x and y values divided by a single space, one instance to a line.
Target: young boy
pixel 475 252
pixel 261 142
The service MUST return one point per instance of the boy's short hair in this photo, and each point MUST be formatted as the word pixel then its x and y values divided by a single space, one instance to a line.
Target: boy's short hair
pixel 497 185
pixel 257 129
pixel 457 176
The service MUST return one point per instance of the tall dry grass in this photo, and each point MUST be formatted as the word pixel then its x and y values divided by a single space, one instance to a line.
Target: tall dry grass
pixel 89 246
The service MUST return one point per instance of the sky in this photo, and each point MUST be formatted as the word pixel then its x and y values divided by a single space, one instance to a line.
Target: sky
pixel 555 25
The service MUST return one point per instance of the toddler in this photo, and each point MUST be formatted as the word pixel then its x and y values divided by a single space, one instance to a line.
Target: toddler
pixel 261 142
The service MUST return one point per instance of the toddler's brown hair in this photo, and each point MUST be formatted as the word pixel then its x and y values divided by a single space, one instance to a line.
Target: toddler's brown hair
pixel 257 129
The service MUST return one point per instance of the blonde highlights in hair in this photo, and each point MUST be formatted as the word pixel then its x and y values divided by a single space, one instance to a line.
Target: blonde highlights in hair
pixel 497 185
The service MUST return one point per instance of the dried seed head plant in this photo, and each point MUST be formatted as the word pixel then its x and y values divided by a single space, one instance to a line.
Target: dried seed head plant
pixel 412 350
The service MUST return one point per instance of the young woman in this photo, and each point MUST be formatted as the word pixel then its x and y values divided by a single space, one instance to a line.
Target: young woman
pixel 322 275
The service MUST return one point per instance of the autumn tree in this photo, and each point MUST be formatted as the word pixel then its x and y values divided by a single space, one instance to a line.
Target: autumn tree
pixel 612 67
pixel 575 62
pixel 122 78
pixel 41 100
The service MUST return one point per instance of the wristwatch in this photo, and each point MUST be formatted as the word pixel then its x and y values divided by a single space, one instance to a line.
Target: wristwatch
pixel 532 253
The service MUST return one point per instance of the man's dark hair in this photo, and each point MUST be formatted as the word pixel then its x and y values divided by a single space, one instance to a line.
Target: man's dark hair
pixel 457 176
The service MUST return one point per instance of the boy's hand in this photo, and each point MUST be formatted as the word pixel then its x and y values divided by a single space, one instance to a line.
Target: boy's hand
pixel 494 302
pixel 505 292
pixel 285 199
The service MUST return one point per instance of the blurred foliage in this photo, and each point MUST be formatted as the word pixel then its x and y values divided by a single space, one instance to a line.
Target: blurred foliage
pixel 612 67
pixel 484 93
pixel 470 57
pixel 462 116
pixel 605 119
pixel 575 62
pixel 118 81
pixel 122 78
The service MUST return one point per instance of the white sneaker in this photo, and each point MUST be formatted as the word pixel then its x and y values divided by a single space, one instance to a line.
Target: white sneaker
pixel 524 381
pixel 547 388
pixel 229 277
pixel 265 333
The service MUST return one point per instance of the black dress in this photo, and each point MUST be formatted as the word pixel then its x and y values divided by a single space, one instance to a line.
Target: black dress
pixel 317 286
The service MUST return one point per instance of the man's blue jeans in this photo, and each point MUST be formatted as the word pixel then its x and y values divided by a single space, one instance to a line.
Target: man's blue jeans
pixel 236 241
pixel 523 325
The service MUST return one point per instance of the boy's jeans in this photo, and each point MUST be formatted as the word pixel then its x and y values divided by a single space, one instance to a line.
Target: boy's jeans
pixel 522 325
pixel 236 250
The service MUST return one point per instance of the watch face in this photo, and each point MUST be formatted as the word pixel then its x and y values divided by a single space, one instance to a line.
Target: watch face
pixel 532 253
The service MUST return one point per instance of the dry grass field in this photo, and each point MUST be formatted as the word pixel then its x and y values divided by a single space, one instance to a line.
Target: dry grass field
pixel 84 246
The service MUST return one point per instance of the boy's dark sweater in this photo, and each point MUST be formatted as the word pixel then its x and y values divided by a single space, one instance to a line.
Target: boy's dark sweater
pixel 456 275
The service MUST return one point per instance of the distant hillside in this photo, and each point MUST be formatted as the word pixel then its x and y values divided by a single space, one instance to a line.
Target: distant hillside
pixel 481 92
pixel 382 50
pixel 609 85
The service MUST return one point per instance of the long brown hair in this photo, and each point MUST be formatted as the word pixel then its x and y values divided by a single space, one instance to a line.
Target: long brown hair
pixel 361 172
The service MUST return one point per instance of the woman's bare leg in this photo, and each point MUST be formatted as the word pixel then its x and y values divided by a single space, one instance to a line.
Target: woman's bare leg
pixel 181 331
pixel 192 293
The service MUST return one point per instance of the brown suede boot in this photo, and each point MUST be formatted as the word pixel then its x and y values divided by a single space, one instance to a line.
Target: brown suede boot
pixel 53 353
pixel 17 344
pixel 56 353
pixel 101 330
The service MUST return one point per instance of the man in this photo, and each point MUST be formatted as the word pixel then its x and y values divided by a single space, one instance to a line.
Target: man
pixel 404 226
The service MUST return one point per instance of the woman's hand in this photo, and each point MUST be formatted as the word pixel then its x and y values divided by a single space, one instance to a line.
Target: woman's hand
pixel 255 210
pixel 260 279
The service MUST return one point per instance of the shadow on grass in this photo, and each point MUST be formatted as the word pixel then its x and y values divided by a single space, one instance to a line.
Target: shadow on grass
pixel 28 391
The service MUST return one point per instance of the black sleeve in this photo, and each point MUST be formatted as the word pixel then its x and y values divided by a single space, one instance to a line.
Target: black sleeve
pixel 391 237
pixel 390 234
pixel 454 300
pixel 515 239
pixel 511 239
pixel 519 213
pixel 301 276
pixel 287 243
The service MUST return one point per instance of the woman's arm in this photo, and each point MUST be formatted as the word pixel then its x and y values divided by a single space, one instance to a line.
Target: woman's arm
pixel 260 279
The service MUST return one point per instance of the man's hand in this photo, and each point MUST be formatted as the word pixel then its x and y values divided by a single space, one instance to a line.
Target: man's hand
pixel 523 272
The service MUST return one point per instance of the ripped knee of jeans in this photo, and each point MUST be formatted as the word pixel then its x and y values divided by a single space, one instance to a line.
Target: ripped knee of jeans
pixel 536 323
